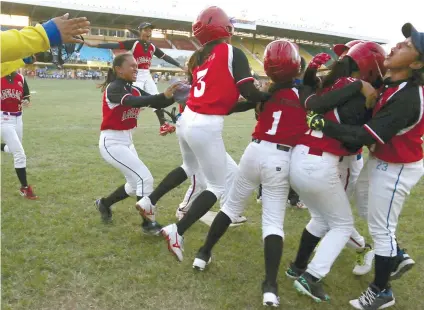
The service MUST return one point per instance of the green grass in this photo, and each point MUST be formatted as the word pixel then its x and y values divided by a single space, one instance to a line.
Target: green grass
pixel 56 254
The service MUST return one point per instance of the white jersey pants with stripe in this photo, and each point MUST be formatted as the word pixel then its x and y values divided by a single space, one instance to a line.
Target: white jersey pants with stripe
pixel 11 134
pixel 117 148
pixel 388 186
pixel 316 179
pixel 198 185
pixel 146 83
pixel 262 163
pixel 202 148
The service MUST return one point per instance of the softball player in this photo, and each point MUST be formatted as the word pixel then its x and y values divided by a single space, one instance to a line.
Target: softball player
pixel 14 95
pixel 143 51
pixel 266 161
pixel 121 105
pixel 220 73
pixel 314 173
pixel 394 135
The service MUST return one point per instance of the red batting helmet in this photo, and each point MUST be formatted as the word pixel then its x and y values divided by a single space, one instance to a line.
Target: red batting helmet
pixel 340 48
pixel 212 24
pixel 369 57
pixel 282 60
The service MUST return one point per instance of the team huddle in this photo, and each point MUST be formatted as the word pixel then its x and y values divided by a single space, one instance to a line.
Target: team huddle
pixel 308 137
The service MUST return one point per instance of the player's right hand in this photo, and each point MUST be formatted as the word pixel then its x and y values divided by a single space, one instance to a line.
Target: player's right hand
pixel 319 60
pixel 369 93
pixel 70 28
pixel 169 92
pixel 315 121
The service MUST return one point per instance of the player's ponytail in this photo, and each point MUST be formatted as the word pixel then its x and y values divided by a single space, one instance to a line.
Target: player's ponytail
pixel 341 68
pixel 111 74
pixel 202 54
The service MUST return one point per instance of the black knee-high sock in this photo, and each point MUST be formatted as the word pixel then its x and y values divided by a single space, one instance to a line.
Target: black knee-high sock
pixel 172 180
pixel 383 268
pixel 273 250
pixel 21 172
pixel 161 116
pixel 218 228
pixel 308 242
pixel 118 195
pixel 202 204
pixel 2 146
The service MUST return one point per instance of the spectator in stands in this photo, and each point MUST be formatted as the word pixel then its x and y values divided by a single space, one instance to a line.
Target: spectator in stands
pixel 143 51
pixel 17 46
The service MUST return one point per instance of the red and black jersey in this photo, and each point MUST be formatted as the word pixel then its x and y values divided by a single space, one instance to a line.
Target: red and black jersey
pixel 142 51
pixel 13 90
pixel 398 124
pixel 117 116
pixel 283 118
pixel 215 83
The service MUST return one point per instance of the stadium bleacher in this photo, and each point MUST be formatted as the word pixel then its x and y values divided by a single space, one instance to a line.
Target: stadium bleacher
pixel 161 43
pixel 96 54
pixel 182 43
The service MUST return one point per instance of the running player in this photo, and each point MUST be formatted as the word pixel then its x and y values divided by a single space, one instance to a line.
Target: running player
pixel 15 94
pixel 314 174
pixel 143 51
pixel 266 161
pixel 121 105
pixel 220 73
pixel 394 135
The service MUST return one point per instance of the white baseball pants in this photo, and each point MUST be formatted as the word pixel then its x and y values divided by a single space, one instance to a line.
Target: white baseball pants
pixel 262 163
pixel 198 185
pixel 316 179
pixel 350 167
pixel 11 134
pixel 389 185
pixel 117 148
pixel 146 83
pixel 202 147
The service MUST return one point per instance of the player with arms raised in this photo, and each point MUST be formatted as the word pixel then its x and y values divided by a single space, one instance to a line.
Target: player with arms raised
pixel 143 50
pixel 220 74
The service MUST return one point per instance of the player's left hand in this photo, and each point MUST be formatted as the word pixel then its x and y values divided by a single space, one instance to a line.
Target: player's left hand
pixel 26 103
pixel 315 121
pixel 319 60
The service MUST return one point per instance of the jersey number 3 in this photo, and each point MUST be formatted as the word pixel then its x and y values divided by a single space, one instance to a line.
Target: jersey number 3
pixel 276 116
pixel 199 90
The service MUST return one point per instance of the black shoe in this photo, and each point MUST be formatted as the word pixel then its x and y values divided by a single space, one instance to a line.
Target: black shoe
pixel 270 294
pixel 404 263
pixel 105 212
pixel 307 285
pixel 372 298
pixel 151 228
pixel 293 272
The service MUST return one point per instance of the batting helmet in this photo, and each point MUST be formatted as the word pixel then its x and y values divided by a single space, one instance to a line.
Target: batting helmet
pixel 369 57
pixel 282 61
pixel 212 24
pixel 339 49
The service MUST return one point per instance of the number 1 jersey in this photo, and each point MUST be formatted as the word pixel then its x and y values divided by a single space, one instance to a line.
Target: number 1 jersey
pixel 214 89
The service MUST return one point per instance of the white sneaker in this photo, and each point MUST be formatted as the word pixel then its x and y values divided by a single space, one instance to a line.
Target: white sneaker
pixel 201 261
pixel 239 221
pixel 146 209
pixel 364 261
pixel 301 205
pixel 271 300
pixel 174 240
pixel 180 213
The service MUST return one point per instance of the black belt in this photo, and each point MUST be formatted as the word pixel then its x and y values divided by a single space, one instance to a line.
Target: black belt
pixel 280 147
pixel 13 113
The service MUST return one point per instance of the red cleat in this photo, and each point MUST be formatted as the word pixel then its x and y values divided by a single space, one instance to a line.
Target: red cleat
pixel 166 128
pixel 28 193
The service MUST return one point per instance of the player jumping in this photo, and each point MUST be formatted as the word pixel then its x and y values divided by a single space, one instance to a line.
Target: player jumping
pixel 220 73
pixel 121 105
pixel 394 136
pixel 143 51
pixel 14 95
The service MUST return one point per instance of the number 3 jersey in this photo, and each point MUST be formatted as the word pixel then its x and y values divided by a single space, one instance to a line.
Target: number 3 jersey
pixel 283 119
pixel 214 89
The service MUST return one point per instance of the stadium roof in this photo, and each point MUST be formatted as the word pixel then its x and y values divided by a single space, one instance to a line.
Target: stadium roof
pixel 118 17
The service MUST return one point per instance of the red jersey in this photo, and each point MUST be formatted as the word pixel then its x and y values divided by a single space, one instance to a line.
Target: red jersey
pixel 214 88
pixel 316 139
pixel 142 51
pixel 283 119
pixel 404 101
pixel 13 90
pixel 115 115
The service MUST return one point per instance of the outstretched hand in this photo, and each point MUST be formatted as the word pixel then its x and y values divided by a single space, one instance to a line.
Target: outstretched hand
pixel 319 60
pixel 71 29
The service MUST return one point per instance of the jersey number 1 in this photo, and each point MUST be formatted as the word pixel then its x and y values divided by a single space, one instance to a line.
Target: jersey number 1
pixel 276 116
pixel 198 92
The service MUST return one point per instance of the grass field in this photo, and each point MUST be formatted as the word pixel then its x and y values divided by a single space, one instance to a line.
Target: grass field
pixel 56 254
